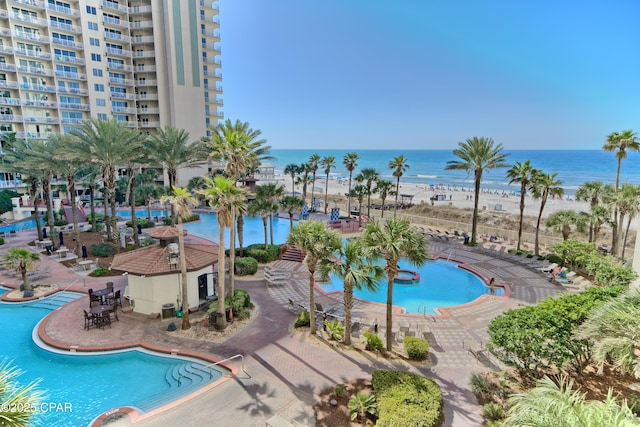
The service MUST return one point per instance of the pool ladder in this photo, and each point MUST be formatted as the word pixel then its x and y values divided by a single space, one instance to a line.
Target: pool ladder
pixel 423 306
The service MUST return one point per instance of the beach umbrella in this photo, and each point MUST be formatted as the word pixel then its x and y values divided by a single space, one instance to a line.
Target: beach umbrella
pixel 61 236
pixel 139 229
pixel 84 252
pixel 44 233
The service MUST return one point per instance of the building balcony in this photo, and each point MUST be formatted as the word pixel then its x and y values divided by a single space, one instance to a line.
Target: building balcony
pixel 73 106
pixel 10 118
pixel 114 6
pixel 31 20
pixel 210 4
pixel 69 59
pixel 65 10
pixel 142 24
pixel 10 84
pixel 123 82
pixel 31 37
pixel 33 53
pixel 136 10
pixel 33 3
pixel 10 101
pixel 144 124
pixel 34 70
pixel 66 27
pixel 48 120
pixel 214 19
pixel 41 104
pixel 68 121
pixel 142 39
pixel 210 33
pixel 213 73
pixel 116 22
pixel 38 88
pixel 5 32
pixel 33 135
pixel 216 114
pixel 119 52
pixel 4 13
pixel 6 49
pixel 67 43
pixel 215 61
pixel 145 69
pixel 7 67
pixel 148 111
pixel 145 54
pixel 117 66
pixel 117 37
pixel 68 75
pixel 73 90
pixel 147 96
pixel 131 124
pixel 120 95
pixel 146 82
pixel 126 110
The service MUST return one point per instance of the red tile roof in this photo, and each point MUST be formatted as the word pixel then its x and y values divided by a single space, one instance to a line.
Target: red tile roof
pixel 165 232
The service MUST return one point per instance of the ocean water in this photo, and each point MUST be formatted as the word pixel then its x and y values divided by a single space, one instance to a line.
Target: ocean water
pixel 427 167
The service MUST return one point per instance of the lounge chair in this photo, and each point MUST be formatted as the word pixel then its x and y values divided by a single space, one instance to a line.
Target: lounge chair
pixel 477 349
pixel 296 307
pixel 548 268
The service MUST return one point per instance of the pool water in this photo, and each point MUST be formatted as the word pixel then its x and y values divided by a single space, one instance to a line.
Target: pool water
pixel 207 228
pixel 442 284
pixel 80 387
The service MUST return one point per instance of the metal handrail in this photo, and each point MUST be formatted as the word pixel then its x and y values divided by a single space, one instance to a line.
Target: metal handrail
pixel 210 366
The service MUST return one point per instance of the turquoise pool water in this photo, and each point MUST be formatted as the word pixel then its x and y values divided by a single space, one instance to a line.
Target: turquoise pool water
pixel 81 387
pixel 207 228
pixel 19 225
pixel 442 284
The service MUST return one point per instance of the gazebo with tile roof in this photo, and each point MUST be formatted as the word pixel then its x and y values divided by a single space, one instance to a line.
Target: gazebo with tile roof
pixel 153 272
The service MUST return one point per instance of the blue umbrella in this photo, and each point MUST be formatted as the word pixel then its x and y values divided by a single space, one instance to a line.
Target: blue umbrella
pixel 44 233
pixel 61 236
pixel 84 252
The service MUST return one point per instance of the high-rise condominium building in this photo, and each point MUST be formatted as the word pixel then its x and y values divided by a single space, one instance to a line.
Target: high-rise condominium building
pixel 148 63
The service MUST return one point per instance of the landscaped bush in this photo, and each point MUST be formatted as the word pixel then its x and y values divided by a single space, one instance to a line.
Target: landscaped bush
pixel 239 303
pixel 142 222
pixel 374 342
pixel 263 256
pixel 335 329
pixel 191 218
pixel 406 399
pixel 493 412
pixel 416 348
pixel 484 389
pixel 303 319
pixel 99 272
pixel 103 250
pixel 246 266
pixel 147 241
pixel 1 240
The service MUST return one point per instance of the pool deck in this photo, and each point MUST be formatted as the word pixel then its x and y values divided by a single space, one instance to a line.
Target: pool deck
pixel 284 371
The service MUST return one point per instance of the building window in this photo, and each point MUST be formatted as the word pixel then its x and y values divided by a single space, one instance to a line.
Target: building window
pixel 91 10
pixel 98 87
pixel 93 26
pixel 96 57
pixel 101 102
pixel 94 41
pixel 102 116
pixel 97 72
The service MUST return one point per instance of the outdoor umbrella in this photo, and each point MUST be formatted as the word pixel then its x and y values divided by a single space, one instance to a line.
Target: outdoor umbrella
pixel 44 233
pixel 61 235
pixel 139 229
pixel 84 252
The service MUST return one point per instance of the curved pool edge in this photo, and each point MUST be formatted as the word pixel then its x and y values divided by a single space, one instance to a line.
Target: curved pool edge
pixel 133 413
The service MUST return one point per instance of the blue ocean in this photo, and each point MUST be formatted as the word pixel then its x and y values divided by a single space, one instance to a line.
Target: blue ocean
pixel 427 167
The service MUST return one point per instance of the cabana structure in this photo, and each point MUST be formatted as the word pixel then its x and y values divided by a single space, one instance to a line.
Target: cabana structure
pixel 153 272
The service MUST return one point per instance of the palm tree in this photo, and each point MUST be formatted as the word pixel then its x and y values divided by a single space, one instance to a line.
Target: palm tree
pixel 106 143
pixel 273 193
pixel 359 191
pixel 304 179
pixel 614 330
pixel 392 240
pixel 134 165
pixel 399 166
pixel 224 196
pixel 476 155
pixel 562 221
pixel 14 394
pixel 558 405
pixel 597 216
pixel 368 176
pixel 384 188
pixel 319 242
pixel 625 202
pixel 312 165
pixel 542 186
pixel 521 172
pixel 262 207
pixel 360 405
pixel 293 170
pixel 328 163
pixel 350 162
pixel 357 271
pixel 595 193
pixel 180 199
pixel 21 260
pixel 293 205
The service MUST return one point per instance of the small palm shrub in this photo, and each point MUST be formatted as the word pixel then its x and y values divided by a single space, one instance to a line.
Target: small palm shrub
pixel 483 388
pixel 374 342
pixel 340 390
pixel 416 348
pixel 360 405
pixel 493 412
pixel 335 329
pixel 303 319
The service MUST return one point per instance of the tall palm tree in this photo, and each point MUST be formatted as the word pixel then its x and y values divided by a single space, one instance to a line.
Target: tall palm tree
pixel 359 191
pixel 15 394
pixel 384 188
pixel 328 163
pixel 399 166
pixel 224 196
pixel 542 186
pixel 262 207
pixel 594 192
pixel 272 193
pixel 22 261
pixel 237 146
pixel 625 202
pixel 522 173
pixel 392 240
pixel 562 221
pixel 134 165
pixel 350 162
pixel 293 170
pixel 180 199
pixel 319 242
pixel 312 166
pixel 106 143
pixel 357 271
pixel 293 205
pixel 477 154
pixel 368 176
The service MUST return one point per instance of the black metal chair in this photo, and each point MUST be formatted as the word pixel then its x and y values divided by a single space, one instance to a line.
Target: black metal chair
pixel 115 299
pixel 114 311
pixel 94 300
pixel 88 320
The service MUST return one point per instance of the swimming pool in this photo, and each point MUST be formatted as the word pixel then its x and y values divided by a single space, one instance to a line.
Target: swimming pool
pixel 441 284
pixel 19 225
pixel 89 385
pixel 207 228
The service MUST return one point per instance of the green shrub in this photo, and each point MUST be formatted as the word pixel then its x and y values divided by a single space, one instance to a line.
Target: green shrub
pixel 484 389
pixel 246 266
pixel 335 329
pixel 511 251
pixel 147 241
pixel 340 390
pixel 1 240
pixel 142 222
pixel 406 399
pixel 633 402
pixel 191 218
pixel 263 256
pixel 303 319
pixel 416 348
pixel 360 405
pixel 374 342
pixel 239 303
pixel 99 227
pixel 103 250
pixel 493 412
pixel 98 272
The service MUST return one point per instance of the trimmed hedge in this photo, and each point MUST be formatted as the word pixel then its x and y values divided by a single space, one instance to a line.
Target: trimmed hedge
pixel 246 266
pixel 103 250
pixel 142 222
pixel 416 348
pixel 406 399
pixel 263 256
pixel 191 218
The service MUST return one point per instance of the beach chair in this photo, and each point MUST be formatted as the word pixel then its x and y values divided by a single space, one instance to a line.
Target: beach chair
pixel 477 349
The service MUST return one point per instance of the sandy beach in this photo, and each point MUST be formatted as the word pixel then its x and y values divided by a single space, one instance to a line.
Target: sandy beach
pixel 493 200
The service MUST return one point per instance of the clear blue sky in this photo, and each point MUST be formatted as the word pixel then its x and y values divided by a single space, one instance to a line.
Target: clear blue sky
pixel 421 74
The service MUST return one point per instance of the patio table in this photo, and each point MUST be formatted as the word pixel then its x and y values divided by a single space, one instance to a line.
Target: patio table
pixel 102 293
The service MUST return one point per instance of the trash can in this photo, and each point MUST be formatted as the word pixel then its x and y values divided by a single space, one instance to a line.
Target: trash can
pixel 168 310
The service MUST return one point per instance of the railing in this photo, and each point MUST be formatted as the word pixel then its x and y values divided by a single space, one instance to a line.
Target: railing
pixel 66 27
pixel 62 9
pixel 210 367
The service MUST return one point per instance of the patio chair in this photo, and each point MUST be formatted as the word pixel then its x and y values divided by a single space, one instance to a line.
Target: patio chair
pixel 114 311
pixel 104 319
pixel 94 300
pixel 88 321
pixel 115 298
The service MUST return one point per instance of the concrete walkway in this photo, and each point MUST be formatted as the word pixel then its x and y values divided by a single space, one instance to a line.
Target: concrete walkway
pixel 284 371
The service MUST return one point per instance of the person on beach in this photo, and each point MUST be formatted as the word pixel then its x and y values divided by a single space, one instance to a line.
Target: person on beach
pixel 492 286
